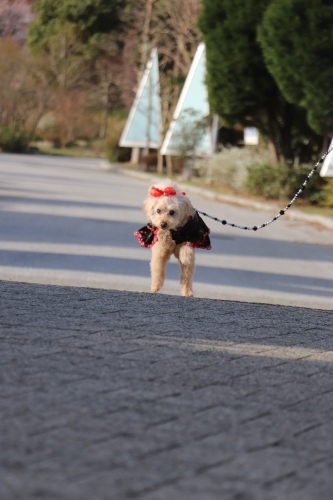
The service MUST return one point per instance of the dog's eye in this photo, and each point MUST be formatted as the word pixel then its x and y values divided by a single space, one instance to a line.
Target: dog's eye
pixel 172 212
pixel 158 211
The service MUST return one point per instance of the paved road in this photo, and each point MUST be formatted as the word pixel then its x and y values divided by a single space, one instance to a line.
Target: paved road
pixel 65 221
pixel 110 395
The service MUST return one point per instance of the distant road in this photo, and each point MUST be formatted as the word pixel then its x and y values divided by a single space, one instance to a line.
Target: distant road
pixel 65 221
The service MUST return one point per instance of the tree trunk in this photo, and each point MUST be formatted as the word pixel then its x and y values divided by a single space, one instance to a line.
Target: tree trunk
pixel 169 165
pixel 188 168
pixel 272 141
pixel 145 35
pixel 63 77
pixel 159 162
pixel 286 135
pixel 326 143
pixel 105 112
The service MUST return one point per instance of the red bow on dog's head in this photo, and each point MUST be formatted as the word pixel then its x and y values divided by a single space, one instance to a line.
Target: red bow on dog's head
pixel 168 191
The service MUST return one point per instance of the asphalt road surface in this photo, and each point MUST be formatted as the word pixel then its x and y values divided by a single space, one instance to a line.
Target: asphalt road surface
pixel 66 221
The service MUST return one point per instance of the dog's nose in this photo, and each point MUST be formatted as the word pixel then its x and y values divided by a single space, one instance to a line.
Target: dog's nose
pixel 163 225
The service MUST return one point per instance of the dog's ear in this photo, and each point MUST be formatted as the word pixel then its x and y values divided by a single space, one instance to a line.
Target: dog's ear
pixel 147 206
pixel 186 208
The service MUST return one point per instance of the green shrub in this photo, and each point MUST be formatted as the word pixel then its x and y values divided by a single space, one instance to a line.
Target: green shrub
pixel 264 179
pixel 283 181
pixel 328 201
pixel 229 167
pixel 314 192
pixel 13 141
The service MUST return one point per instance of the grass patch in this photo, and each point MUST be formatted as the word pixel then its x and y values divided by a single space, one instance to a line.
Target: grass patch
pixel 310 209
pixel 73 152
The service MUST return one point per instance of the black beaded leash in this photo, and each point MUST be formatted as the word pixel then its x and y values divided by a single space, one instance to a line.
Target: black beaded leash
pixel 282 212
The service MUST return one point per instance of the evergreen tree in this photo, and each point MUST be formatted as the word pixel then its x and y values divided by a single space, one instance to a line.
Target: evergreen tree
pixel 88 16
pixel 241 89
pixel 297 42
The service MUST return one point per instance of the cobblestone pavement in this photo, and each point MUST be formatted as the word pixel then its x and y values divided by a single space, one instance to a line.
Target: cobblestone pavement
pixel 121 395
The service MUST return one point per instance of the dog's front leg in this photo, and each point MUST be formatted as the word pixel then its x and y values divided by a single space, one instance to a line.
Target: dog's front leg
pixel 159 259
pixel 186 257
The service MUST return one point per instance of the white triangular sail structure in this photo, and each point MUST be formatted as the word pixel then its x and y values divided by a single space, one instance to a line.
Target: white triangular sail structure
pixel 194 97
pixel 143 126
pixel 327 168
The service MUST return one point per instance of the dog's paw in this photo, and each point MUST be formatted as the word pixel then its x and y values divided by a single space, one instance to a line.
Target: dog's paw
pixel 187 293
pixel 155 288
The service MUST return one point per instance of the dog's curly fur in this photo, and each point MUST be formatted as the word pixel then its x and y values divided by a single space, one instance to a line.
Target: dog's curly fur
pixel 165 213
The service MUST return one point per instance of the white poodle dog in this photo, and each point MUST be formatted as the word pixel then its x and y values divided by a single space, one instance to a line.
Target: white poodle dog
pixel 174 227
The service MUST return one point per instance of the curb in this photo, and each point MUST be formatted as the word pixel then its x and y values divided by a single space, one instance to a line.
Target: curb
pixel 225 198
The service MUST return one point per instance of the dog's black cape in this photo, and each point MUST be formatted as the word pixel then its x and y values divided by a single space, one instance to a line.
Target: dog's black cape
pixel 195 233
